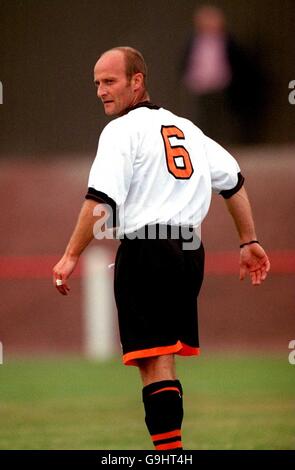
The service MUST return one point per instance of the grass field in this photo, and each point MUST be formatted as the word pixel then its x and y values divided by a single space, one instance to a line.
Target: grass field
pixel 230 403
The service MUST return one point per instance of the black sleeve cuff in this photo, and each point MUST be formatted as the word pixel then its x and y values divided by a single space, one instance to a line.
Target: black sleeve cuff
pixel 103 198
pixel 227 193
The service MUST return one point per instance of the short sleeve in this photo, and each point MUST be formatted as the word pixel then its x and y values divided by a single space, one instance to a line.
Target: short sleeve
pixel 112 169
pixel 224 169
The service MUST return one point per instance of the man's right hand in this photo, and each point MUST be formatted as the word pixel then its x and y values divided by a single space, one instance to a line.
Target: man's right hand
pixel 62 271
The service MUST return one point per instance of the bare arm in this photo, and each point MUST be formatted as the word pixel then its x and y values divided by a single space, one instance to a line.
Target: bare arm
pixel 81 237
pixel 253 259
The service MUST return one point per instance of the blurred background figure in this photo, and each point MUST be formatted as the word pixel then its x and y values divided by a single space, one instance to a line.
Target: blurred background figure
pixel 225 85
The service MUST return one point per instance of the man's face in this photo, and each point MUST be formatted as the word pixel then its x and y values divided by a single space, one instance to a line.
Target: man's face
pixel 113 87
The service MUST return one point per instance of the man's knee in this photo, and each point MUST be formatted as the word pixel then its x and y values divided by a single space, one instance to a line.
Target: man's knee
pixel 154 369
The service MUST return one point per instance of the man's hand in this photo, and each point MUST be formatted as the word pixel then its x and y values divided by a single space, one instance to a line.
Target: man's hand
pixel 254 260
pixel 62 271
pixel 80 239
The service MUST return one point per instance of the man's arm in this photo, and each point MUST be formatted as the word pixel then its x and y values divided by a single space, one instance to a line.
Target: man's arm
pixel 81 237
pixel 253 259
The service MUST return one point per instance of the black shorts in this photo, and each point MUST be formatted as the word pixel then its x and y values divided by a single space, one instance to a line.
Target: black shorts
pixel 156 287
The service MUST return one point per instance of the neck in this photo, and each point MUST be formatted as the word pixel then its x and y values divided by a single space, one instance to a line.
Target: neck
pixel 140 98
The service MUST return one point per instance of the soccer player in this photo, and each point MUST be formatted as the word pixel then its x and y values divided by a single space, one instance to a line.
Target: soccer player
pixel 153 175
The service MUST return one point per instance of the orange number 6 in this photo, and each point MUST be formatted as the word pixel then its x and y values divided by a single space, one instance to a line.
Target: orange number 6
pixel 178 159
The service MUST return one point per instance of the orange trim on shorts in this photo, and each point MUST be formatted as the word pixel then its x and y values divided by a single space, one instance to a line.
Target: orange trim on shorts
pixel 166 435
pixel 130 359
pixel 171 445
pixel 175 389
pixel 189 350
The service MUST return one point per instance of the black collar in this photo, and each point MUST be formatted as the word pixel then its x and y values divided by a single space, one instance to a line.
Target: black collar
pixel 142 104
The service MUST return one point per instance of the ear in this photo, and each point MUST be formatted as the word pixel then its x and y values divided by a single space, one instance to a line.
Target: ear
pixel 137 81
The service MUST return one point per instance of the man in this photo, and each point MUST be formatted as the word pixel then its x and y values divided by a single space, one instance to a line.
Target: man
pixel 224 83
pixel 157 170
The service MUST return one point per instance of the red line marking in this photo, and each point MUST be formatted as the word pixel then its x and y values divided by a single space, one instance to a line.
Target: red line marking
pixel 217 263
pixel 227 262
pixel 30 267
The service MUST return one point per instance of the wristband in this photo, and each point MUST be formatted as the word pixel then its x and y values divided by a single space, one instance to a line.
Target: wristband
pixel 249 243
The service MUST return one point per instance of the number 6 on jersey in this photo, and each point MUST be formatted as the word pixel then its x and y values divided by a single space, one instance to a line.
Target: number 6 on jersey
pixel 178 159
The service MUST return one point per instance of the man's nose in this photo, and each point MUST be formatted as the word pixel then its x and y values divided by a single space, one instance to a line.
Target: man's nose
pixel 101 91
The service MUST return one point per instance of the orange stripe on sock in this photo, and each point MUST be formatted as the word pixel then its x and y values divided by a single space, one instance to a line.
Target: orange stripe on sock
pixel 164 390
pixel 166 435
pixel 171 445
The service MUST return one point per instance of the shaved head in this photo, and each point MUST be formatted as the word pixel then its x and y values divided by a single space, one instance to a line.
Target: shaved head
pixel 120 77
pixel 134 61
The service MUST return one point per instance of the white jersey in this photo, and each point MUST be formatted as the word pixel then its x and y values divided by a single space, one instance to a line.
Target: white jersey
pixel 159 168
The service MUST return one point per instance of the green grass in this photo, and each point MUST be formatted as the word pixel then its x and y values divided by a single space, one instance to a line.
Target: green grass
pixel 230 403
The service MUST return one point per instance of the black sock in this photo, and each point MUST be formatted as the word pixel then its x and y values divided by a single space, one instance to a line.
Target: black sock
pixel 164 413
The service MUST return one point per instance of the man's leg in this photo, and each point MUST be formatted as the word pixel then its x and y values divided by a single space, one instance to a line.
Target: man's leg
pixel 162 398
